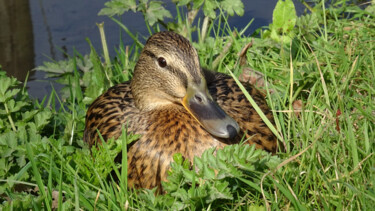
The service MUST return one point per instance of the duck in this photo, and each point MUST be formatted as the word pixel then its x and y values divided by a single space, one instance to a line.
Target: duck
pixel 176 106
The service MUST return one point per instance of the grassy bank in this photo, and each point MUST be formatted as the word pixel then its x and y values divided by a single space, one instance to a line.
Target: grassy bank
pixel 318 73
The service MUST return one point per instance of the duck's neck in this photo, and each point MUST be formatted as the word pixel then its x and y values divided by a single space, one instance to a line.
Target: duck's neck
pixel 146 100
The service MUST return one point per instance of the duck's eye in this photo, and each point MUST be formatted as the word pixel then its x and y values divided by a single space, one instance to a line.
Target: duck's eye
pixel 162 62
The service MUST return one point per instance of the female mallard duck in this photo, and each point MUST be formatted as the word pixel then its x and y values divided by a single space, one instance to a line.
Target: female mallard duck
pixel 176 106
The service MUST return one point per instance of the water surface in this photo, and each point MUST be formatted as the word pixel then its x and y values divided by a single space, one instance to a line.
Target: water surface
pixel 51 29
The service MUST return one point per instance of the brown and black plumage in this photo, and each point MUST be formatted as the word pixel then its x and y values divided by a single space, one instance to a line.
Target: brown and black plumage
pixel 176 106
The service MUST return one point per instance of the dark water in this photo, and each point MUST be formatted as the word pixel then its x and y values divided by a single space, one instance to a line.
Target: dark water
pixel 49 29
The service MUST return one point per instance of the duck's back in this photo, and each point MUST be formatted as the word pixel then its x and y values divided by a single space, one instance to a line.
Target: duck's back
pixel 108 112
pixel 231 99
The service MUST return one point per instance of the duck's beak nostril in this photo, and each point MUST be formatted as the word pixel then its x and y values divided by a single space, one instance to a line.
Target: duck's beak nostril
pixel 198 98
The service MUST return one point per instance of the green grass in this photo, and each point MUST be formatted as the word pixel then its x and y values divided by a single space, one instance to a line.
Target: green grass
pixel 327 161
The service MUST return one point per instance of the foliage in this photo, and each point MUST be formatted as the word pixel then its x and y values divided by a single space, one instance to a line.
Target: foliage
pixel 284 19
pixel 21 124
pixel 328 157
pixel 214 179
pixel 155 13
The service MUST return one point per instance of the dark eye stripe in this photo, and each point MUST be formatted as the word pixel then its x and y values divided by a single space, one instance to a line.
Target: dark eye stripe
pixel 149 53
pixel 179 74
pixel 170 68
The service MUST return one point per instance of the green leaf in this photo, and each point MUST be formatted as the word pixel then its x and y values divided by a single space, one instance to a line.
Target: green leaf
pixel 118 7
pixel 208 173
pixel 219 190
pixel 41 119
pixel 197 3
pixel 155 12
pixel 8 94
pixel 284 16
pixel 233 6
pixel 182 2
pixel 178 158
pixel 143 1
pixel 32 133
pixel 6 83
pixel 28 115
pixel 21 160
pixel 8 143
pixel 198 162
pixel 18 105
pixel 54 69
pixel 2 163
pixel 209 8
pixel 2 125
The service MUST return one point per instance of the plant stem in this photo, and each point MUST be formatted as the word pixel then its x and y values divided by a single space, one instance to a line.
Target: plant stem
pixel 104 44
pixel 10 117
pixel 204 27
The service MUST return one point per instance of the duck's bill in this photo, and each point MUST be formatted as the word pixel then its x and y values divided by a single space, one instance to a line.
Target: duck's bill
pixel 208 113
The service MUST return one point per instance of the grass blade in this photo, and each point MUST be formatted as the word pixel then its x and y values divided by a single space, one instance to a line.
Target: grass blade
pixel 256 107
pixel 38 178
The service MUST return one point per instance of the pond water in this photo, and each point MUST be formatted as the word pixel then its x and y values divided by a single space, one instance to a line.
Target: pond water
pixel 44 30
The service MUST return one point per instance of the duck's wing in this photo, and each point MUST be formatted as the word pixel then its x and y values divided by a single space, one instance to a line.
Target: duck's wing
pixel 231 99
pixel 109 112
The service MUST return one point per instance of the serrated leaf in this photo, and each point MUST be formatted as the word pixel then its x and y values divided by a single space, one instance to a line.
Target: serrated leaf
pixel 180 193
pixel 54 69
pixel 233 6
pixel 21 160
pixel 26 116
pixel 186 164
pixel 201 191
pixel 244 151
pixel 211 159
pixel 32 132
pixel 21 132
pixel 6 83
pixel 8 144
pixel 182 2
pixel 208 173
pixel 198 163
pixel 118 7
pixel 188 174
pixel 253 154
pixel 219 190
pixel 155 12
pixel 220 154
pixel 41 119
pixel 209 8
pixel 11 104
pixel 12 93
pixel 215 173
pixel 221 164
pixel 178 158
pixel 197 3
pixel 18 106
pixel 273 162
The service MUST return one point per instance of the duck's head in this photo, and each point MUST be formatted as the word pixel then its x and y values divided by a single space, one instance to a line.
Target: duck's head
pixel 168 72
